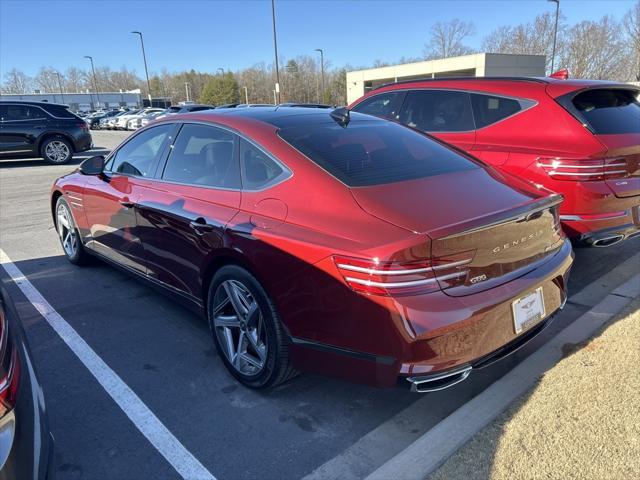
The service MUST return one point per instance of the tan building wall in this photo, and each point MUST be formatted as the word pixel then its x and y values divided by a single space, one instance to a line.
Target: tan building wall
pixel 477 65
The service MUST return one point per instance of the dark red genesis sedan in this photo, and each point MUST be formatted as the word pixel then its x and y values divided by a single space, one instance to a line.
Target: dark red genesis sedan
pixel 324 241
pixel 579 138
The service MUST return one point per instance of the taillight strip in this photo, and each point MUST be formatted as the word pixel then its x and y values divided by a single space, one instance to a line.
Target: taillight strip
pixel 583 166
pixel 362 281
pixel 590 174
pixel 375 271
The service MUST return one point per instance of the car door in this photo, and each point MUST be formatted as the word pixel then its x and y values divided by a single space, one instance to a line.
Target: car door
pixel 445 114
pixel 184 213
pixel 110 200
pixel 20 127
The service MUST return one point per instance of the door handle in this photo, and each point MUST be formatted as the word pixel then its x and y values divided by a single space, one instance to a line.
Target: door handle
pixel 201 226
pixel 125 202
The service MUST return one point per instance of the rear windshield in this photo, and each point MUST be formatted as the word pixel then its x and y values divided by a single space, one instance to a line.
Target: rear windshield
pixel 373 152
pixel 609 111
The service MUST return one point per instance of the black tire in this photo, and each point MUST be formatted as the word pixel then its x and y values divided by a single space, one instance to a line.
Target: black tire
pixel 79 255
pixel 61 145
pixel 277 366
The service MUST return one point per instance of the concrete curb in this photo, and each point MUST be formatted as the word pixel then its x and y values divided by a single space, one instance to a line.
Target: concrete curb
pixel 432 449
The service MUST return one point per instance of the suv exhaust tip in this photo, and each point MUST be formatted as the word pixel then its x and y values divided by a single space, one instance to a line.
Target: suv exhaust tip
pixel 606 241
pixel 435 383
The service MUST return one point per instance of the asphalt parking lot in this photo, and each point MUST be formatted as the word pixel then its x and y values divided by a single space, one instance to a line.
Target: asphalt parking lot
pixel 164 354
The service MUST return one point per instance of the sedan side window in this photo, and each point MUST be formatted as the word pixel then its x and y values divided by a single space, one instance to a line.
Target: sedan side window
pixel 140 155
pixel 438 111
pixel 385 105
pixel 204 155
pixel 258 169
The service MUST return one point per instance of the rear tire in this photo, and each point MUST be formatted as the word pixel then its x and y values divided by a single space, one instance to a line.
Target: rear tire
pixel 247 330
pixel 69 235
pixel 56 150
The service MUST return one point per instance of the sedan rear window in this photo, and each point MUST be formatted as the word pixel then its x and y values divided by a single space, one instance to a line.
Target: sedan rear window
pixel 609 111
pixel 373 152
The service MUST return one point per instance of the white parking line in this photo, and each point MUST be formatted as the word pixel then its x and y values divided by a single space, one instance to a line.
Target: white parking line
pixel 142 417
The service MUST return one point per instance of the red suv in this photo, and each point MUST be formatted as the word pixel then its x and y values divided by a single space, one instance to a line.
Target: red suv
pixel 579 138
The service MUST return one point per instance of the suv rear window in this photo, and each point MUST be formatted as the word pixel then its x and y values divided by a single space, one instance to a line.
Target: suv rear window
pixel 373 152
pixel 609 111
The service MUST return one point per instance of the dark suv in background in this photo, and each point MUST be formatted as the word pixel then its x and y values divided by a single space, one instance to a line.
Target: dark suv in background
pixel 41 129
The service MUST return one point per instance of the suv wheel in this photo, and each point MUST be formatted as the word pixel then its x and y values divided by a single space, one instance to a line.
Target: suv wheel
pixel 246 329
pixel 56 150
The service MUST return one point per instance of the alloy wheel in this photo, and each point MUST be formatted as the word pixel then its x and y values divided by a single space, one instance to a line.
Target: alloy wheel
pixel 57 151
pixel 67 231
pixel 240 327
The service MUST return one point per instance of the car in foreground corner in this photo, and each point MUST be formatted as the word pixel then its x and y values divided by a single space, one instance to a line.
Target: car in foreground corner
pixel 26 445
pixel 324 241
pixel 579 138
pixel 41 129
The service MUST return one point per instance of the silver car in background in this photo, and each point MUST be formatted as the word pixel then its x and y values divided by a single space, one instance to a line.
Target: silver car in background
pixel 143 120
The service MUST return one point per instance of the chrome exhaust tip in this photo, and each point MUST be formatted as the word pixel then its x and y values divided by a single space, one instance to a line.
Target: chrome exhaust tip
pixel 607 241
pixel 434 383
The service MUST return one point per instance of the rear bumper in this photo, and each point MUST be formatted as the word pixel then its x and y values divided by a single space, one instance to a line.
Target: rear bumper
pixel 437 335
pixel 83 142
pixel 604 232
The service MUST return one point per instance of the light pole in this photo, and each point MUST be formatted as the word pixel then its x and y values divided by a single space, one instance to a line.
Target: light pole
pixel 321 71
pixel 186 87
pixel 95 83
pixel 146 71
pixel 60 86
pixel 275 48
pixel 555 33
pixel 246 95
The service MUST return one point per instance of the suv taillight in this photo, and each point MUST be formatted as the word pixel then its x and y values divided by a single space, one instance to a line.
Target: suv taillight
pixel 586 170
pixel 9 369
pixel 375 277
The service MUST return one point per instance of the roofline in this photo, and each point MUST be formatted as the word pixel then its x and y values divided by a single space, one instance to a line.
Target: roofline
pixel 437 79
pixel 33 102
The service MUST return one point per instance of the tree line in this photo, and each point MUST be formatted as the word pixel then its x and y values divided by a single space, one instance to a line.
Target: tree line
pixel 604 49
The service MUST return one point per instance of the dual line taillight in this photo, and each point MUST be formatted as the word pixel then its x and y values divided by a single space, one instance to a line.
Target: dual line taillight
pixel 584 170
pixel 397 278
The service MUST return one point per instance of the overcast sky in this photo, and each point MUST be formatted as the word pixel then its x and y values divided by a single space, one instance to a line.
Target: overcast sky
pixel 208 34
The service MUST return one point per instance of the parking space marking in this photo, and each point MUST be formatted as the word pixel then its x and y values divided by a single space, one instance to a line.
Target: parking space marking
pixel 142 417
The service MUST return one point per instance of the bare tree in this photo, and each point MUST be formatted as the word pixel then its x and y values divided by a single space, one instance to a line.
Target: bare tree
pixel 16 82
pixel 632 30
pixel 75 80
pixel 596 50
pixel 447 39
pixel 534 38
pixel 47 80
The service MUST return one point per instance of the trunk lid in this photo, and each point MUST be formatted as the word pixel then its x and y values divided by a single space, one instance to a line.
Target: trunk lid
pixel 494 230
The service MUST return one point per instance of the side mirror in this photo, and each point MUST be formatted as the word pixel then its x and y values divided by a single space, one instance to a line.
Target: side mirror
pixel 92 166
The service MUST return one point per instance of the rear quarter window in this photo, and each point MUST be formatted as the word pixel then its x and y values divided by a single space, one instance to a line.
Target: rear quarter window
pixel 373 152
pixel 490 109
pixel 609 111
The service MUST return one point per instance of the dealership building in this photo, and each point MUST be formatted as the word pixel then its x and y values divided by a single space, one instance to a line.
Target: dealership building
pixel 82 102
pixel 360 82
